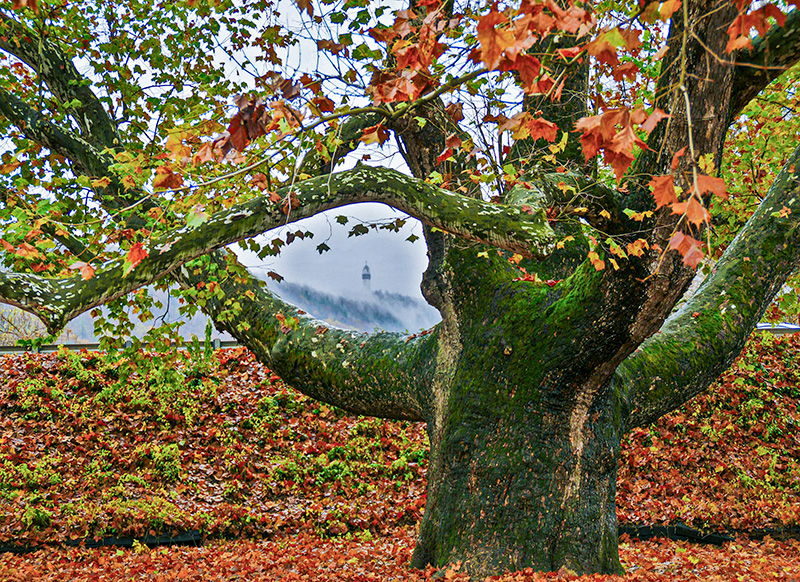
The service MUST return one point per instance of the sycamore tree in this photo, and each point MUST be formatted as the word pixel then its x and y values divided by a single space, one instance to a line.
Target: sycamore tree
pixel 573 163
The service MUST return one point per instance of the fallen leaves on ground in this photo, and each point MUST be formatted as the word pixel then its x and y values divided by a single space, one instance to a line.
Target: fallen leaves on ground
pixel 97 447
pixel 384 559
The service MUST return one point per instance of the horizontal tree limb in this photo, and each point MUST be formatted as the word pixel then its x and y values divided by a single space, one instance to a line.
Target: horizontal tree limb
pixel 376 374
pixel 57 301
pixel 64 142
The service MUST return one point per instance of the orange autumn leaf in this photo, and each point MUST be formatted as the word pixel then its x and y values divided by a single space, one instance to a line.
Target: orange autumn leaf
pixel 652 121
pixel 166 179
pixel 494 40
pixel 676 159
pixel 716 186
pixel 136 255
pixel 86 270
pixel 637 247
pixel 688 247
pixel 663 190
pixel 694 211
pixel 374 134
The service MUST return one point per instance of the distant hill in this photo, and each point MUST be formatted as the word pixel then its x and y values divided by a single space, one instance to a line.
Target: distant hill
pixel 362 311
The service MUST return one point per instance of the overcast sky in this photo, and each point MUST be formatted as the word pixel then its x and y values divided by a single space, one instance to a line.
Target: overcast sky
pixel 396 265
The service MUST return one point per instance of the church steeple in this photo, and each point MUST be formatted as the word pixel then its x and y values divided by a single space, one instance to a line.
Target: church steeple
pixel 366 278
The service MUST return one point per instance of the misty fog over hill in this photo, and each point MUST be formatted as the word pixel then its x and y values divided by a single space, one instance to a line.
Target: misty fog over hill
pixel 363 311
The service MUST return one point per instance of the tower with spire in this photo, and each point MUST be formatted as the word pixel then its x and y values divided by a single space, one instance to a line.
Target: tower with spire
pixel 366 279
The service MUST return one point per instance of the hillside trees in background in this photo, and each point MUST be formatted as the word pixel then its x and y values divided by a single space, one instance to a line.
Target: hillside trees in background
pixel 564 158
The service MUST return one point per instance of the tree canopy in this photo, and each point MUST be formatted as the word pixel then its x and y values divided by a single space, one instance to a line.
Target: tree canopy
pixel 573 164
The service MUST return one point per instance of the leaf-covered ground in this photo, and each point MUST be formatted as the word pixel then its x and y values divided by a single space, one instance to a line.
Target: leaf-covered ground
pixel 383 559
pixel 216 443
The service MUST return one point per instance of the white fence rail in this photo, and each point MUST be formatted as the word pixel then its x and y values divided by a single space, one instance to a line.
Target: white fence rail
pixel 93 347
pixel 777 329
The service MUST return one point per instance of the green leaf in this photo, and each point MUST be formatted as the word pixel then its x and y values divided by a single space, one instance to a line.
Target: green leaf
pixel 196 217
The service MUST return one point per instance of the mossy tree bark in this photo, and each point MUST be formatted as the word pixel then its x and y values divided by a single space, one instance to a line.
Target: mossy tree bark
pixel 526 388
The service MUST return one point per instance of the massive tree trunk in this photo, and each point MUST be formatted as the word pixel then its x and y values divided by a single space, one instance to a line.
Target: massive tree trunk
pixel 523 462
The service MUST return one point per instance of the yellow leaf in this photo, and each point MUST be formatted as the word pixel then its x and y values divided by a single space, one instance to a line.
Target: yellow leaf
pixel 605 214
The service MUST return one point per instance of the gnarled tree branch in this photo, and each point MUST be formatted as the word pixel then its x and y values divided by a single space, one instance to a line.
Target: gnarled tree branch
pixel 701 339
pixel 59 73
pixel 506 227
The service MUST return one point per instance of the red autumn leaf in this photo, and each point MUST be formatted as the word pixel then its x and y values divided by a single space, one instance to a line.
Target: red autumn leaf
pixel 26 251
pixel 669 8
pixel 20 4
pixel 453 141
pixel 569 53
pixel 624 140
pixel 382 34
pixel 204 154
pixel 135 255
pixel 663 189
pixel 682 243
pixel 33 234
pixel 324 104
pixel 619 161
pixel 238 134
pixel 7 245
pixel 739 30
pixel 289 203
pixel 388 87
pixel 710 184
pixel 632 41
pixel 541 128
pixel 166 179
pixel 693 257
pixel 592 137
pixel 556 95
pixel 305 6
pixel 529 68
pixel 444 155
pixel 260 181
pixel 455 111
pixel 689 248
pixel 625 71
pixel 87 271
pixel 332 47
pixel 603 51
